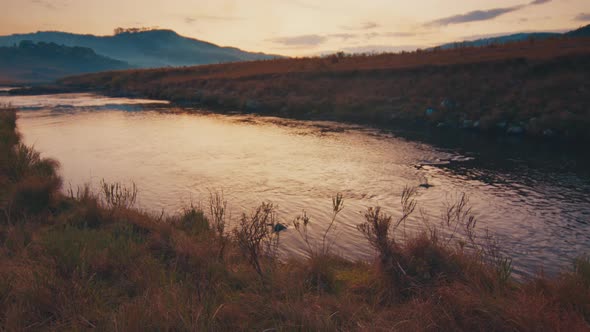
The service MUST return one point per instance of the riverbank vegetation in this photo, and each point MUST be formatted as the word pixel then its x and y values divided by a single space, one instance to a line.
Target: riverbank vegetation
pixel 82 259
pixel 537 88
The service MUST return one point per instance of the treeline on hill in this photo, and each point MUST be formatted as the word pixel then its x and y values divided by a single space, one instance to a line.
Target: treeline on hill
pixel 536 87
pixel 91 260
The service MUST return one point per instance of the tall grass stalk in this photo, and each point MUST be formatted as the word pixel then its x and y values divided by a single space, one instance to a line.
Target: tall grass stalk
pixel 323 247
pixel 218 213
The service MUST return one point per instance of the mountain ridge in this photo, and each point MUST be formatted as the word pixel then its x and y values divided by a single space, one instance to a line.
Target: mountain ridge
pixel 580 32
pixel 41 62
pixel 515 37
pixel 144 49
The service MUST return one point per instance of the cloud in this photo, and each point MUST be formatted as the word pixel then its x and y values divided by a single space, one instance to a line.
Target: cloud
pixel 400 34
pixel 482 15
pixel 300 41
pixel 53 5
pixel 316 40
pixel 539 2
pixel 379 48
pixel 474 16
pixel 372 35
pixel 364 26
pixel 194 19
pixel 584 17
pixel 343 36
pixel 303 4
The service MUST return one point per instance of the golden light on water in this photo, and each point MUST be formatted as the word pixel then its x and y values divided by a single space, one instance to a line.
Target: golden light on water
pixel 177 159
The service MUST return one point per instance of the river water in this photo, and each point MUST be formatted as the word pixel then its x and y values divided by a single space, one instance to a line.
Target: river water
pixel 536 203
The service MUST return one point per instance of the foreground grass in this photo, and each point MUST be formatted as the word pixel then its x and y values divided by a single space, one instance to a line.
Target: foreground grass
pixel 91 261
pixel 537 88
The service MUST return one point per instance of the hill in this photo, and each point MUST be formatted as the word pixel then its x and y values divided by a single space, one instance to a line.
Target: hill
pixel 42 62
pixel 503 39
pixel 536 88
pixel 144 49
pixel 581 32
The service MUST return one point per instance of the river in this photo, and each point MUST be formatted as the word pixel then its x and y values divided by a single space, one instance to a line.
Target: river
pixel 536 203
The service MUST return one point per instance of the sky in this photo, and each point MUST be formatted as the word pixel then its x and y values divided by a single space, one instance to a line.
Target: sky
pixel 302 27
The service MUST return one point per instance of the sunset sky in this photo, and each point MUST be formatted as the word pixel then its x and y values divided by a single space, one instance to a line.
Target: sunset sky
pixel 301 27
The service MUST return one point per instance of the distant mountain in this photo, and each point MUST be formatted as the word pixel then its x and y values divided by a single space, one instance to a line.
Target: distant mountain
pixel 581 32
pixel 584 31
pixel 501 39
pixel 42 62
pixel 145 49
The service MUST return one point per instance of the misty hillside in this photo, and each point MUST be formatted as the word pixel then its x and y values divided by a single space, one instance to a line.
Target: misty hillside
pixel 42 62
pixel 145 49
pixel 582 32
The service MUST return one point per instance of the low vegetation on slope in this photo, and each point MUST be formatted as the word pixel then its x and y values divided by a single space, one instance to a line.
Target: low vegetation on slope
pixel 537 87
pixel 87 260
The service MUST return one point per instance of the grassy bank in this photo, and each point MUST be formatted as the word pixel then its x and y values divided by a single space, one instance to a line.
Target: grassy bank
pixel 88 259
pixel 535 88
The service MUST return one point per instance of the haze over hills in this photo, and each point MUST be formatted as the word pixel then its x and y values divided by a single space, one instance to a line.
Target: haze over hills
pixel 42 62
pixel 144 48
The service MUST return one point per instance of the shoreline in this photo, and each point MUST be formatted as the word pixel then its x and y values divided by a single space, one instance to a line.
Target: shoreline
pixel 535 90
pixel 417 128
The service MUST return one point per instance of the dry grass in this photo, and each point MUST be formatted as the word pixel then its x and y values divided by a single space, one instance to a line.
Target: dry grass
pixel 78 262
pixel 539 86
pixel 536 50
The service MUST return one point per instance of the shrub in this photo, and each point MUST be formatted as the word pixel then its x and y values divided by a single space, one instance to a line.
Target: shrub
pixel 34 195
pixel 26 161
pixel 117 195
pixel 380 232
pixel 257 238
pixel 194 222
pixel 582 269
pixel 82 252
pixel 218 213
pixel 87 211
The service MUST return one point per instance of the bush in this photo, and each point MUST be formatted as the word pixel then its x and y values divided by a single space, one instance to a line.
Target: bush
pixel 83 252
pixel 117 195
pixel 27 162
pixel 194 222
pixel 34 195
pixel 380 231
pixel 218 214
pixel 257 238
